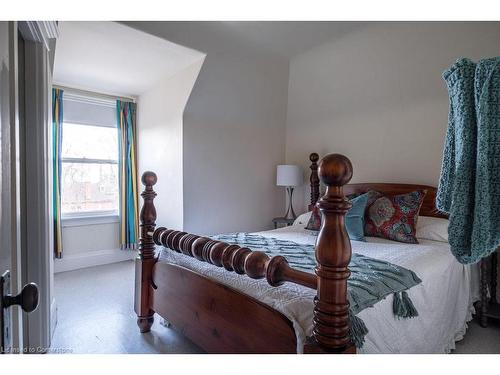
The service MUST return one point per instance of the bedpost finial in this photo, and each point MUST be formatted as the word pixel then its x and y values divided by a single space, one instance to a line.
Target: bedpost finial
pixel 314 157
pixel 335 170
pixel 149 178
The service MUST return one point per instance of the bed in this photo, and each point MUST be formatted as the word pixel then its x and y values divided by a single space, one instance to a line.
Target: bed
pixel 232 299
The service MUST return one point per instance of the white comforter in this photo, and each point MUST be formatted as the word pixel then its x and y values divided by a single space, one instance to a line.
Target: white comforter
pixel 443 299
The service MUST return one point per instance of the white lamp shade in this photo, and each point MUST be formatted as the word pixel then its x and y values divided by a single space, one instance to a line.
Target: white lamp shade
pixel 288 175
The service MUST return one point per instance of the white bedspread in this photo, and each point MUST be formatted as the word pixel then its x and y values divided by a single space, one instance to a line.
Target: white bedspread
pixel 443 299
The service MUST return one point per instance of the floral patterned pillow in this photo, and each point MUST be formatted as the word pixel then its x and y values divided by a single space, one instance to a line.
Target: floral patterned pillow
pixel 393 217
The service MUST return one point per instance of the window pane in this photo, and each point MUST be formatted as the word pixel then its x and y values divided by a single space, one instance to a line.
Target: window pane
pixel 89 187
pixel 91 142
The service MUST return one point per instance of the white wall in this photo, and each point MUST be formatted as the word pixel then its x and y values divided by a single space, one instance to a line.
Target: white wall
pixel 78 239
pixel 160 146
pixel 234 136
pixel 377 96
pixel 90 243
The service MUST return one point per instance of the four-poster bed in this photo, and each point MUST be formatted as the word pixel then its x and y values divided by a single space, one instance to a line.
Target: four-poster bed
pixel 221 318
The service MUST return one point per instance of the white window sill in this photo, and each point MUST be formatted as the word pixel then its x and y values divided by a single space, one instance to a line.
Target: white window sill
pixel 80 221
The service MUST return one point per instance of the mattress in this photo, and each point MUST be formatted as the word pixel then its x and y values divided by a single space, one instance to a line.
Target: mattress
pixel 444 299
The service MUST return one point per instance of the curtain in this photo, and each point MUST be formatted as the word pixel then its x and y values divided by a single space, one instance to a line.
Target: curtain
pixel 57 120
pixel 129 207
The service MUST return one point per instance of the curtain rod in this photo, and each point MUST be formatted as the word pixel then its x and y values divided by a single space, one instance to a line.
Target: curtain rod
pixel 94 94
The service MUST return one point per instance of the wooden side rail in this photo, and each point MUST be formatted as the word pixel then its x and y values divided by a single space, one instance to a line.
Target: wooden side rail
pixel 333 254
pixel 242 260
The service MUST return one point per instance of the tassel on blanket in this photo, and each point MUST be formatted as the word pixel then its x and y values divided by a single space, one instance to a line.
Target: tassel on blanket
pixel 403 306
pixel 397 305
pixel 358 330
pixel 411 311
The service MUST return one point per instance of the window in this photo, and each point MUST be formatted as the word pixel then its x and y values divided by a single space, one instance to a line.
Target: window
pixel 89 173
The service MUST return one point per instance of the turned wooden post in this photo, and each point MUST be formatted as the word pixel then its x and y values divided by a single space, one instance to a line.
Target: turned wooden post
pixel 314 179
pixel 333 254
pixel 145 260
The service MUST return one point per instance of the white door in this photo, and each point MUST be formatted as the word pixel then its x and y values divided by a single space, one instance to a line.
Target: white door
pixel 8 266
pixel 5 240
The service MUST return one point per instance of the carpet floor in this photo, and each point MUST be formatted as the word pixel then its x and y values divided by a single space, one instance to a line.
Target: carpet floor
pixel 96 315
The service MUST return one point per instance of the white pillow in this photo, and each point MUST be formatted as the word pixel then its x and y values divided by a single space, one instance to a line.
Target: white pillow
pixel 432 228
pixel 303 219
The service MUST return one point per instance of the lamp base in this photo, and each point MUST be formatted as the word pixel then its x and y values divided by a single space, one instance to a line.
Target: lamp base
pixel 290 213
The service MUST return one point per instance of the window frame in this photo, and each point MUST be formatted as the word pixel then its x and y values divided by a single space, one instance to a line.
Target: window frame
pixel 97 216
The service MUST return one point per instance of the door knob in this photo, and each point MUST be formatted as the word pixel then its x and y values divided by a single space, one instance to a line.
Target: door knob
pixel 27 299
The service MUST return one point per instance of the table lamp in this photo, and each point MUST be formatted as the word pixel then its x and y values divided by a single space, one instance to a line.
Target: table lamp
pixel 289 176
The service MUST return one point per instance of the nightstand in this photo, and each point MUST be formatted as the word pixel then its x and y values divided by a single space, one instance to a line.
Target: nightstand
pixel 282 220
pixel 489 308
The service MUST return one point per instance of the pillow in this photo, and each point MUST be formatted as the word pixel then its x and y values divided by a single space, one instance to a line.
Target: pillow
pixel 303 219
pixel 354 219
pixel 432 228
pixel 314 222
pixel 393 217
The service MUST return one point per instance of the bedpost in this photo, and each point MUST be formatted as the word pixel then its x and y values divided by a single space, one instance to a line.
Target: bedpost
pixel 314 180
pixel 333 254
pixel 145 260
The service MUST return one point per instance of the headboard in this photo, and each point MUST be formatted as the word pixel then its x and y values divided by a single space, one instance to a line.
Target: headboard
pixel 428 206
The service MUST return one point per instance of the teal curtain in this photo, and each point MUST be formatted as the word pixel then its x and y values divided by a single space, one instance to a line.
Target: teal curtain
pixel 129 205
pixel 57 120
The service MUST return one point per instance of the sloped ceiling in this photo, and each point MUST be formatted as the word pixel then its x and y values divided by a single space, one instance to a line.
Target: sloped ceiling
pixel 109 57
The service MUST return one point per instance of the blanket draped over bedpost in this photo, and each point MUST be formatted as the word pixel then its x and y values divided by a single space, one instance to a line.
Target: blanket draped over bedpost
pixel 333 254
pixel 145 260
pixel 469 188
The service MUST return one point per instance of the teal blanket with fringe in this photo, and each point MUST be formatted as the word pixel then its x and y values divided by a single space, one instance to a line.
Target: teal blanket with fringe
pixel 371 279
pixel 469 187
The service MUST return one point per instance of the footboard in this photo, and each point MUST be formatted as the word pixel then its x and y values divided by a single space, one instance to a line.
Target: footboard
pixel 219 319
pixel 155 283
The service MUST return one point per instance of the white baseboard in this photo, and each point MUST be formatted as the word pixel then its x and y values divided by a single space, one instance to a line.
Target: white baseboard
pixel 92 258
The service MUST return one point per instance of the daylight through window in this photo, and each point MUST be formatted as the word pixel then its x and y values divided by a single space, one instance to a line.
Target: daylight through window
pixel 89 178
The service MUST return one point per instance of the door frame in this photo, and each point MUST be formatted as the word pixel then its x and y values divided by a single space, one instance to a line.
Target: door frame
pixel 37 261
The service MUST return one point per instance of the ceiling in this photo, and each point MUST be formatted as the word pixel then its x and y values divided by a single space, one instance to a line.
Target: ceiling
pixel 109 57
pixel 281 39
pixel 127 58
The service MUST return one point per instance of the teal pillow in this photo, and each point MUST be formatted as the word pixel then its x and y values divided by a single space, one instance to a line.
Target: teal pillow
pixel 354 219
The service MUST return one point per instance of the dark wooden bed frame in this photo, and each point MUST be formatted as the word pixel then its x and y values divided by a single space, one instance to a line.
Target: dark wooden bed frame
pixel 220 319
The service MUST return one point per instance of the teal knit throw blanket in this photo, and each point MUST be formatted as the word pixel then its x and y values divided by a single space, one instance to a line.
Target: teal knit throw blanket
pixel 469 187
